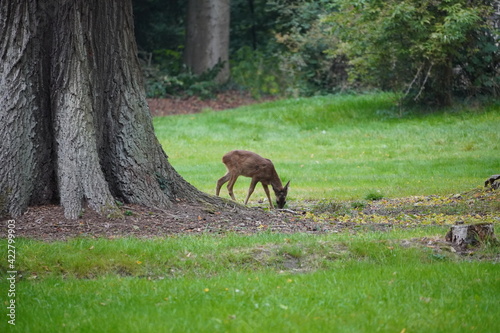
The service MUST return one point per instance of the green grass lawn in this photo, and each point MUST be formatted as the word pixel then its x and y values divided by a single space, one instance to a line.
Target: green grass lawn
pixel 370 282
pixel 341 147
pixel 360 280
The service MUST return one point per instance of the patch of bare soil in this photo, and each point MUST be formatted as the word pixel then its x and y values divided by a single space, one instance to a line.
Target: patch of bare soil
pixel 48 222
pixel 194 104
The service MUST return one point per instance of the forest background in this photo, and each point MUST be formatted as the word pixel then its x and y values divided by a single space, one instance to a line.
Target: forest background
pixel 433 53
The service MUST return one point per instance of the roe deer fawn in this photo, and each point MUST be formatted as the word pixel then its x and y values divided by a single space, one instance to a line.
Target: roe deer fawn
pixel 260 169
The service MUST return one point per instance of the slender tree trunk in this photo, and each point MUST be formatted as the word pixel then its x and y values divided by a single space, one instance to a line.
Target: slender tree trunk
pixel 251 7
pixel 74 124
pixel 443 83
pixel 207 36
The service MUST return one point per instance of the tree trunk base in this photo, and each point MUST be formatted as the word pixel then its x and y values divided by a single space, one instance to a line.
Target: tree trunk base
pixel 463 236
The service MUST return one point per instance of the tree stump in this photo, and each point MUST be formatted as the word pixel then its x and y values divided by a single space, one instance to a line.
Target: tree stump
pixel 463 236
pixel 492 181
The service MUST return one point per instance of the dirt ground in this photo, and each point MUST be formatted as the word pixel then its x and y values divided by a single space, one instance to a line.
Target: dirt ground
pixel 478 206
pixel 48 222
pixel 224 100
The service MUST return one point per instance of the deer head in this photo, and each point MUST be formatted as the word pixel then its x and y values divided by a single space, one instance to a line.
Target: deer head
pixel 281 194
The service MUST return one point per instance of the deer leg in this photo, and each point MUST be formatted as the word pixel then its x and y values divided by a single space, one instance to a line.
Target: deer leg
pixel 266 188
pixel 230 185
pixel 221 182
pixel 250 189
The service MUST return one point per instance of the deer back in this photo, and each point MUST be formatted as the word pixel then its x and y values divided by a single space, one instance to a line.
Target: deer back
pixel 249 164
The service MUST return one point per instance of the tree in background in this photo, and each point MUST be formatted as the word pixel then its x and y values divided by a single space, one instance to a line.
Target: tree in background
pixel 180 54
pixel 74 124
pixel 207 37
pixel 263 53
pixel 428 49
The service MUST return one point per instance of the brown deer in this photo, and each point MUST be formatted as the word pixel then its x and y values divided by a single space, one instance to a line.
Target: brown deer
pixel 260 169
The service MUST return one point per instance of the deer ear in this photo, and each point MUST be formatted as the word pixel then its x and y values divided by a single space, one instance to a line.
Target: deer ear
pixel 286 186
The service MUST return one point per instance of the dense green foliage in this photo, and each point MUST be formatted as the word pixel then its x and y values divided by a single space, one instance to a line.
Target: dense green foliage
pixel 159 24
pixel 430 51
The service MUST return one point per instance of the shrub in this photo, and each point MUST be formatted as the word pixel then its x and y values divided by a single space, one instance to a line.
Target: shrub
pixel 256 71
pixel 428 49
pixel 166 76
pixel 374 196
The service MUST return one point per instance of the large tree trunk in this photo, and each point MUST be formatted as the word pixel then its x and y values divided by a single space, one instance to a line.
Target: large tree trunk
pixel 74 123
pixel 207 37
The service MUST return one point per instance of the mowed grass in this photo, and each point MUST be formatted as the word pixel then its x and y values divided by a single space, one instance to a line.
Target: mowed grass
pixel 371 282
pixel 340 147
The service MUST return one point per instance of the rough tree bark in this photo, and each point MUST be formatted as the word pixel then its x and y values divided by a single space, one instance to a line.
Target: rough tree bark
pixel 74 124
pixel 207 37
